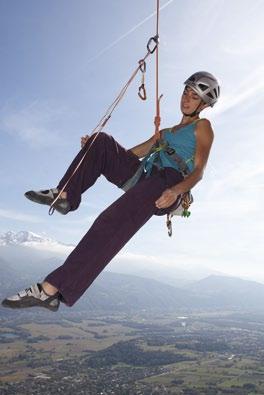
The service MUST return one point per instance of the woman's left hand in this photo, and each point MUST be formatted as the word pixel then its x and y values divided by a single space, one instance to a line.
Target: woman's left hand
pixel 168 197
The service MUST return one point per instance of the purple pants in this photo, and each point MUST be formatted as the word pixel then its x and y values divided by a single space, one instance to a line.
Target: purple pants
pixel 114 227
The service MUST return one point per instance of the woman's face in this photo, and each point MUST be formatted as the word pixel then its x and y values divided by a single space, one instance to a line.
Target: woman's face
pixel 189 100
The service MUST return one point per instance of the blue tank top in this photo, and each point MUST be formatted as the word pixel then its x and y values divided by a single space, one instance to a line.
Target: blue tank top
pixel 183 141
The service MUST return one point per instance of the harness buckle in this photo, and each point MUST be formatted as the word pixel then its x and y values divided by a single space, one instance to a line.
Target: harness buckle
pixel 170 150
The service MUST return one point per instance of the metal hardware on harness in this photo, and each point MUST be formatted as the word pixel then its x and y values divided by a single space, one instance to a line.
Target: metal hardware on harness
pixel 185 202
pixel 170 151
pixel 186 198
pixel 169 224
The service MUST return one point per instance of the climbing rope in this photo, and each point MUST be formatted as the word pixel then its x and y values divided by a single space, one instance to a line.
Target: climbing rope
pixel 152 46
pixel 157 119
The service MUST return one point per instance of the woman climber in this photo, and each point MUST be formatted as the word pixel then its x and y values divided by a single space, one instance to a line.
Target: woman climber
pixel 156 192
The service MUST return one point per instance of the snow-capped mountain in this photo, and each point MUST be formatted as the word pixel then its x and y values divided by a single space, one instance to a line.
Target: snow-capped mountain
pixel 13 238
pixel 27 238
pixel 32 241
pixel 26 253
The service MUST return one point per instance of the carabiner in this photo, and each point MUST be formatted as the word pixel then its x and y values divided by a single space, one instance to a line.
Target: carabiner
pixel 156 41
pixel 142 65
pixel 143 95
pixel 169 224
pixel 51 210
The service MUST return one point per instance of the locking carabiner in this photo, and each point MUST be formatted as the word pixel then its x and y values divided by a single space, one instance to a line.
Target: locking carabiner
pixel 155 39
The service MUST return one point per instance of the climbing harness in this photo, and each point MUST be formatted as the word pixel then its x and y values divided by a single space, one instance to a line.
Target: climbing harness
pixel 186 198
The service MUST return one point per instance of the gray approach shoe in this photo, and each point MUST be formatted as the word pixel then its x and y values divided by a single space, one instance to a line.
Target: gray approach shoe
pixel 47 196
pixel 33 296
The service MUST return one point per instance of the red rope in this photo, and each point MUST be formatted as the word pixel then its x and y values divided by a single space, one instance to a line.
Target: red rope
pixel 157 117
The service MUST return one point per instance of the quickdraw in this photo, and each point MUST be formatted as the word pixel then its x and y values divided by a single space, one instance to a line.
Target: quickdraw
pixel 141 90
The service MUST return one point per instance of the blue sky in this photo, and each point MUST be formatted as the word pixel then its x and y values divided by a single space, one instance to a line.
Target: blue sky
pixel 62 64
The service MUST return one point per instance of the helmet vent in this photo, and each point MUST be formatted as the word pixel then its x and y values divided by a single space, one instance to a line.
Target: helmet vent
pixel 203 87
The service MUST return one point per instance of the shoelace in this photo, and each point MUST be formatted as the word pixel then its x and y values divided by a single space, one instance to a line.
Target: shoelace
pixel 25 290
pixel 28 290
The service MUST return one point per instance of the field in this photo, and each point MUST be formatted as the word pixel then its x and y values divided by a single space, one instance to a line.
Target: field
pixel 207 353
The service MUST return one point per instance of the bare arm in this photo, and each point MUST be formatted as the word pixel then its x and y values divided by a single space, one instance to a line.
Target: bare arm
pixel 142 149
pixel 204 139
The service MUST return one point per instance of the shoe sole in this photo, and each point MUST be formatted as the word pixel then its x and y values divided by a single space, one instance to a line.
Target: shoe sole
pixel 28 303
pixel 34 197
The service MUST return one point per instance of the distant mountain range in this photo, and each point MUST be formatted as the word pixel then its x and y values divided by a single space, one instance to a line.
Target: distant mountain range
pixel 23 237
pixel 29 252
pixel 114 291
pixel 27 238
pixel 26 258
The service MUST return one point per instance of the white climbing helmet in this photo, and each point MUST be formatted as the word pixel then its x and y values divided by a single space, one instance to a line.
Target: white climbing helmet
pixel 205 85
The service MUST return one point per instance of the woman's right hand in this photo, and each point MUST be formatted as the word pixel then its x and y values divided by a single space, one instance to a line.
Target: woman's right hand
pixel 84 140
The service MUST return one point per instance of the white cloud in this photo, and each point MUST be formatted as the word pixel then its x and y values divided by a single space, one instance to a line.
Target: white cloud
pixel 244 50
pixel 17 216
pixel 33 124
pixel 81 221
pixel 132 257
pixel 237 178
pixel 52 247
pixel 250 87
